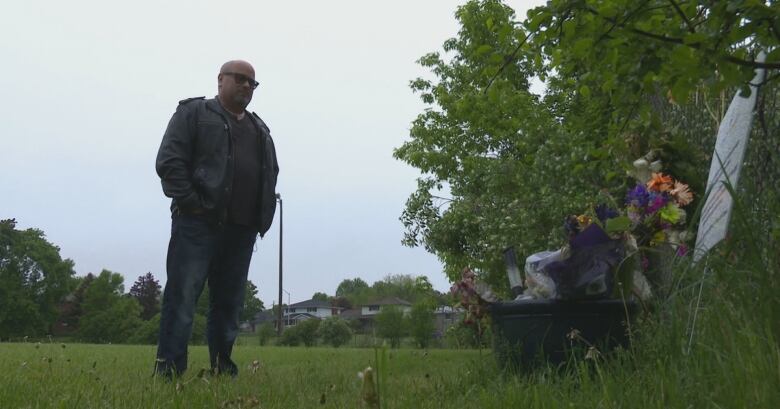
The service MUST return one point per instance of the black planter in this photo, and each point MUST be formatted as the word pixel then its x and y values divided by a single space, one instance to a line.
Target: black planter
pixel 527 333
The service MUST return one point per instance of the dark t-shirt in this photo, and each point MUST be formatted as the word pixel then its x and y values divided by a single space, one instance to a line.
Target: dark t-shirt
pixel 246 171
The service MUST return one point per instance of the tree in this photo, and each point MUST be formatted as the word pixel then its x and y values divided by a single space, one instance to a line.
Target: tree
pixel 146 290
pixel 108 315
pixel 421 325
pixel 252 304
pixel 494 145
pixel 341 302
pixel 503 167
pixel 334 331
pixel 71 307
pixel 351 287
pixel 390 325
pixel 318 296
pixel 33 281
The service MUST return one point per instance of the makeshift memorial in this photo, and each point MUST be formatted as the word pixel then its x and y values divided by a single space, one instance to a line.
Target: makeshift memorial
pixel 612 252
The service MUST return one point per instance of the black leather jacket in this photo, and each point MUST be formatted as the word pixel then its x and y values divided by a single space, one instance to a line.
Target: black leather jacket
pixel 195 162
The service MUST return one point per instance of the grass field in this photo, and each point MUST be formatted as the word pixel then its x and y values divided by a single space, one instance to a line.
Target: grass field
pixel 119 376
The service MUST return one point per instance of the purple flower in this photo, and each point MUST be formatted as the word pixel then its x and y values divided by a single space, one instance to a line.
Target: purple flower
pixel 638 196
pixel 682 250
pixel 603 213
pixel 656 202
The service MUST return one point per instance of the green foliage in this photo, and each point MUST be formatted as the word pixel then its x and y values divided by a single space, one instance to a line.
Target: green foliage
pixel 147 333
pixel 390 324
pixel 334 331
pixel 350 287
pixel 199 324
pixel 108 315
pixel 147 291
pixel 33 281
pixel 307 331
pixel 265 332
pixel 403 286
pixel 290 337
pixel 113 325
pixel 511 169
pixel 304 332
pixel 421 325
pixel 252 304
pixel 463 336
pixel 318 296
pixel 502 167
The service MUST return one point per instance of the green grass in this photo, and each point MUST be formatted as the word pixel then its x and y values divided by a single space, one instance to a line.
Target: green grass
pixel 731 366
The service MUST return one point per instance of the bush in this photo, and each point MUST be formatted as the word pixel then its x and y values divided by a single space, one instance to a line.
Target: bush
pixel 421 323
pixel 307 331
pixel 304 332
pixel 148 332
pixel 265 332
pixel 335 331
pixel 290 337
pixel 390 325
pixel 115 324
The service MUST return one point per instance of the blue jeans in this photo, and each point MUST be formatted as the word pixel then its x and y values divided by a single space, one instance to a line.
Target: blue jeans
pixel 199 251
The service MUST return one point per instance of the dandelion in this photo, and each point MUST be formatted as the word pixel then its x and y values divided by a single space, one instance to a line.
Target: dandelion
pixel 254 366
pixel 592 353
pixel 369 392
pixel 573 334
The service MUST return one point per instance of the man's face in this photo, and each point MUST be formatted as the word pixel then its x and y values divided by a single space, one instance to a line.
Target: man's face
pixel 236 84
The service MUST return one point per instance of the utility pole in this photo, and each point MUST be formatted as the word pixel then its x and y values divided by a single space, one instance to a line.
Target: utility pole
pixel 280 325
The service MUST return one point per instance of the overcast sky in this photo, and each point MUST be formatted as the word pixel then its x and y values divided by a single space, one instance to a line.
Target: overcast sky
pixel 89 86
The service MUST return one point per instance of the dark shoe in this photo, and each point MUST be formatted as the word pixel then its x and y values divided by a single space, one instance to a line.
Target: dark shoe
pixel 165 370
pixel 225 368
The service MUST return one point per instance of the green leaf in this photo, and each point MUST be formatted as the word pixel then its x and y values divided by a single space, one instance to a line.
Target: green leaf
pixel 618 224
pixel 774 56
pixel 694 38
pixel 585 91
pixel 483 49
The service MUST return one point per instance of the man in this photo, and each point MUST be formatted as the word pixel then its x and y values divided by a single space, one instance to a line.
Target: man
pixel 218 164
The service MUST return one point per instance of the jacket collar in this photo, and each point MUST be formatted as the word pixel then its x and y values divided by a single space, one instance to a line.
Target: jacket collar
pixel 214 105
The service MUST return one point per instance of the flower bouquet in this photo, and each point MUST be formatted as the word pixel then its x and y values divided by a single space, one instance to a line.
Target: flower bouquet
pixel 651 227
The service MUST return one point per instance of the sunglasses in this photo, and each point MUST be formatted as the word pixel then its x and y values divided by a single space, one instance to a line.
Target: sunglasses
pixel 241 78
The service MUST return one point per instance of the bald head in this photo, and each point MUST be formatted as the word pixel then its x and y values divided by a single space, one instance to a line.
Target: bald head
pixel 236 85
pixel 232 66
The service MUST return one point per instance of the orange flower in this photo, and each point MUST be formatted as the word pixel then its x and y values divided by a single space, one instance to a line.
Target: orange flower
pixel 660 182
pixel 681 194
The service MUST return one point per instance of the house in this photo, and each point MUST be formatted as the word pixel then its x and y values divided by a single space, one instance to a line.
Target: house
pixel 259 319
pixel 304 310
pixel 373 307
pixel 364 316
pixel 444 317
